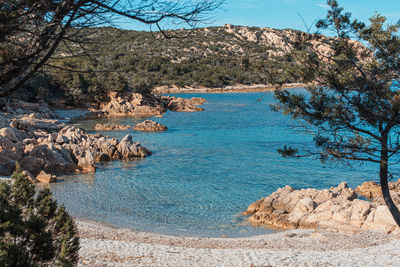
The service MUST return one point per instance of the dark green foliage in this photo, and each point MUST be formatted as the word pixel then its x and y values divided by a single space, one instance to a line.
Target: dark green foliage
pixel 34 231
pixel 353 109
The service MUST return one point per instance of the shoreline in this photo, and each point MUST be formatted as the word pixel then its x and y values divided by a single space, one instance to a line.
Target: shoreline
pixel 103 245
pixel 255 88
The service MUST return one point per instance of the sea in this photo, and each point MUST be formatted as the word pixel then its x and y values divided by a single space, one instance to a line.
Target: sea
pixel 205 170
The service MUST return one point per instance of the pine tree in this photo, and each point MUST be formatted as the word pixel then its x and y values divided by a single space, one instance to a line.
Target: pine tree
pixel 34 230
pixel 353 109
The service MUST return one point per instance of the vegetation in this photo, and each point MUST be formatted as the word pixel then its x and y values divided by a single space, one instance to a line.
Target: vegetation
pixel 353 110
pixel 33 230
pixel 139 61
pixel 32 30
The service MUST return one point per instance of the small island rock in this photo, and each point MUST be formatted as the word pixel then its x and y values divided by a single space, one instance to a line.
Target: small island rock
pixel 150 126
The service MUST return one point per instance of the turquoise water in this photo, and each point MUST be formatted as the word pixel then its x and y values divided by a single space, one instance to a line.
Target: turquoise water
pixel 204 171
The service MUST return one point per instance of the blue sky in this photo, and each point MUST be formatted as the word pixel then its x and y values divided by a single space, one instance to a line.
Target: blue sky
pixel 284 13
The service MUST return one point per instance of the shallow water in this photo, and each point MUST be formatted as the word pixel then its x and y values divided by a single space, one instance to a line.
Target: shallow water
pixel 204 171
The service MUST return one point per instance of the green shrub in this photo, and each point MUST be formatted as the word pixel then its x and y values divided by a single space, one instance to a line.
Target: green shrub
pixel 33 230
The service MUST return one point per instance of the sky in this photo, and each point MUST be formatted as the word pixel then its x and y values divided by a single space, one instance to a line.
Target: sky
pixel 283 14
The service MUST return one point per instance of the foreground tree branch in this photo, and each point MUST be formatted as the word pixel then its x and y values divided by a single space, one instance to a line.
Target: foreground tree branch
pixel 31 31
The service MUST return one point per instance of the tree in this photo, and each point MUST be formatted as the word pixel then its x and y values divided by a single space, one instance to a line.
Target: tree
pixel 33 230
pixel 31 30
pixel 353 108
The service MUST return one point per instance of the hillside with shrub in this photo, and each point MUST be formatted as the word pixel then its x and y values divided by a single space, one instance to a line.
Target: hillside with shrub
pixel 110 59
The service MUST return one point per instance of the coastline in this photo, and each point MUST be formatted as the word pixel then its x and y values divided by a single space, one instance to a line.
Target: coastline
pixel 104 245
pixel 228 89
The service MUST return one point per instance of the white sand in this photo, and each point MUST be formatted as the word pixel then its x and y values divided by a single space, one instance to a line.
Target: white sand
pixel 107 246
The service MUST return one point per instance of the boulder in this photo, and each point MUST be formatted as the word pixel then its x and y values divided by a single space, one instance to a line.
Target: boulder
pixel 6 144
pixel 86 162
pixel 7 163
pixel 9 133
pixel 129 149
pixel 50 158
pixel 150 126
pixel 61 139
pixel 44 177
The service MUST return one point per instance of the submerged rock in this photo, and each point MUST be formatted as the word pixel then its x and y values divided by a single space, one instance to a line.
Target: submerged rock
pixel 150 126
pixel 337 208
pixel 111 127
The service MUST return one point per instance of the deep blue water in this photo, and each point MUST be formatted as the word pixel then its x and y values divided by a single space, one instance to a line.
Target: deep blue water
pixel 204 171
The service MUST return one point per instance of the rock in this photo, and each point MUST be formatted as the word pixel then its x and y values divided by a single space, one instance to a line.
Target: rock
pixel 44 177
pixel 150 126
pixel 182 104
pixel 9 133
pixel 61 139
pixel 111 127
pixel 50 158
pixel 129 149
pixel 7 163
pixel 48 125
pixel 6 144
pixel 86 162
pixel 197 101
pixel 337 208
pixel 132 104
pixel 373 190
pixel 103 157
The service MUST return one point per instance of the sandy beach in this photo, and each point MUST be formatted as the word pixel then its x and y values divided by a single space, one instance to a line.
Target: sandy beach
pixel 103 245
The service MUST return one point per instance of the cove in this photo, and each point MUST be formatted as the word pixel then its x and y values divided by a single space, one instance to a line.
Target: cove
pixel 204 171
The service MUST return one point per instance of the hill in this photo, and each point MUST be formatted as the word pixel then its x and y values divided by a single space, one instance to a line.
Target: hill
pixel 212 57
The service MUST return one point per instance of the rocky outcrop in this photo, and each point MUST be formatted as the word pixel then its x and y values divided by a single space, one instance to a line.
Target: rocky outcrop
pixel 132 104
pixel 122 104
pixel 91 148
pixel 150 126
pixel 111 127
pixel 69 150
pixel 373 190
pixel 337 208
pixel 183 104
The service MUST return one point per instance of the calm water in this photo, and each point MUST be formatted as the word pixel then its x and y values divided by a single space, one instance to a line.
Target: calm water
pixel 204 171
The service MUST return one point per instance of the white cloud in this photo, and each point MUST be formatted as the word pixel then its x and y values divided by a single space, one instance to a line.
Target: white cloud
pixel 324 6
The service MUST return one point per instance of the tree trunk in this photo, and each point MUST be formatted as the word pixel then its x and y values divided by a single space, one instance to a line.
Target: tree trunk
pixel 383 175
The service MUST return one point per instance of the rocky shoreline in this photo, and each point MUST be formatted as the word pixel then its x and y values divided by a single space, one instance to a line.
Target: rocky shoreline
pixel 32 135
pixel 337 208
